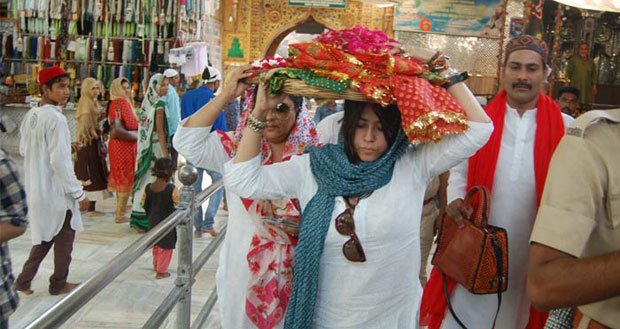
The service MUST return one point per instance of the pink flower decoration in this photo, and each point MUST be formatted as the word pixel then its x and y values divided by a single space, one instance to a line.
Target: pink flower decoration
pixel 259 290
pixel 254 267
pixel 357 39
pixel 255 240
pixel 262 308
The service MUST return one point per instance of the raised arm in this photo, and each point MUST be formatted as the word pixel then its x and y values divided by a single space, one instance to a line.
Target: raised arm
pixel 251 141
pixel 207 115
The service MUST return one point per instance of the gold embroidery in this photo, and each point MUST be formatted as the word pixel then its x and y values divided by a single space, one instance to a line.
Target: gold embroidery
pixel 425 129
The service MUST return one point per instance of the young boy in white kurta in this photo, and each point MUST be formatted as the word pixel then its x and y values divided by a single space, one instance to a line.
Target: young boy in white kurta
pixel 52 190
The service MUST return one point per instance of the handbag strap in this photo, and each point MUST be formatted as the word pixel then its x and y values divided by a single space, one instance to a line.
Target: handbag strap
pixel 481 213
pixel 499 261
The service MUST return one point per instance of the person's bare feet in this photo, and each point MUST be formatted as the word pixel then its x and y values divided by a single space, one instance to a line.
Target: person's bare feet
pixel 197 234
pixel 26 292
pixel 95 214
pixel 159 276
pixel 121 220
pixel 210 231
pixel 139 230
pixel 66 289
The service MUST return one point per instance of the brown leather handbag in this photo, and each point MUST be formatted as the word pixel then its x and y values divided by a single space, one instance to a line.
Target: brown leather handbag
pixel 476 256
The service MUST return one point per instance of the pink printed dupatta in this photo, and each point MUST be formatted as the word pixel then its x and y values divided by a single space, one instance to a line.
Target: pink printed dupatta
pixel 270 256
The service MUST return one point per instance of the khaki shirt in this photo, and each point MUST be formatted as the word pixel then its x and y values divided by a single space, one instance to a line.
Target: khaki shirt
pixel 580 209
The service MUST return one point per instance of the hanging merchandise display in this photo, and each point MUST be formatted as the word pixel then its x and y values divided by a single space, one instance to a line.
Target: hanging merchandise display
pixel 103 39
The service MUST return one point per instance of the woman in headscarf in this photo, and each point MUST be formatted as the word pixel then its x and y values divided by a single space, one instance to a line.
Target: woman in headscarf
pixel 248 297
pixel 90 167
pixel 122 146
pixel 153 143
pixel 357 261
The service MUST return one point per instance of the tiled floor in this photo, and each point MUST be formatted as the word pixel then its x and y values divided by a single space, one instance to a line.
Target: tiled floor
pixel 131 298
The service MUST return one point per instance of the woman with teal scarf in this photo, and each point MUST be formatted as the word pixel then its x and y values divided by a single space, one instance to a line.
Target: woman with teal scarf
pixel 358 257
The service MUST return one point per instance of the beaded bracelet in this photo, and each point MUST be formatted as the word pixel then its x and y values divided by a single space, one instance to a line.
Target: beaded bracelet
pixel 256 125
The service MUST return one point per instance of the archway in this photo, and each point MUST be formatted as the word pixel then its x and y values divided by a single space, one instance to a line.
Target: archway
pixel 308 26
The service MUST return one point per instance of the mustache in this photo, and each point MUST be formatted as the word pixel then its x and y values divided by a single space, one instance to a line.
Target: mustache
pixel 522 84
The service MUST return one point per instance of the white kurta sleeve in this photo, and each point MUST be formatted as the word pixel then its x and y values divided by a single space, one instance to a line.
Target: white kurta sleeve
pixel 457 183
pixel 59 148
pixel 201 147
pixel 436 158
pixel 283 180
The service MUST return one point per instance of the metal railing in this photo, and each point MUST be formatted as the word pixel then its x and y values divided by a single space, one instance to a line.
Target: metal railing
pixel 180 296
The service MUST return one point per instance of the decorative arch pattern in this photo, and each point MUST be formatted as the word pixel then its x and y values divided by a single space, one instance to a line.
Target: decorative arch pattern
pixel 258 23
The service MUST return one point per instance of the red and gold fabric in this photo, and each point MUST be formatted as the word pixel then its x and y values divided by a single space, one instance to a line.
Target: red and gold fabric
pixel 428 111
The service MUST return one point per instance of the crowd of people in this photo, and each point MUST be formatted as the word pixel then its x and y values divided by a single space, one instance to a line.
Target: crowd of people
pixel 331 219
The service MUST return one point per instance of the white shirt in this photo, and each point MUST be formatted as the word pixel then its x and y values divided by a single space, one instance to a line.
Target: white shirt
pixel 329 128
pixel 513 207
pixel 50 182
pixel 383 292
pixel 205 150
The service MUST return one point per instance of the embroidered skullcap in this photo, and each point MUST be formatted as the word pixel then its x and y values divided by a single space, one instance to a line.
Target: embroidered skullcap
pixel 527 42
pixel 210 75
pixel 50 73
pixel 169 73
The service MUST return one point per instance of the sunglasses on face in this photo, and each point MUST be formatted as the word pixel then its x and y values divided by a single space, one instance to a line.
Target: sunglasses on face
pixel 345 225
pixel 282 108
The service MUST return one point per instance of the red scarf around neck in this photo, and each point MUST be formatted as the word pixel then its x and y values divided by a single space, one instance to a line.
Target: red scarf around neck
pixel 549 131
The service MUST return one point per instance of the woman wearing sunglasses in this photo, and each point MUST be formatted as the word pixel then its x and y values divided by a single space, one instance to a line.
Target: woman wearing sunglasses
pixel 255 272
pixel 357 260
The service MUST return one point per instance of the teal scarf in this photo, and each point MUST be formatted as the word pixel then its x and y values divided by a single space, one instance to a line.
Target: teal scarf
pixel 335 176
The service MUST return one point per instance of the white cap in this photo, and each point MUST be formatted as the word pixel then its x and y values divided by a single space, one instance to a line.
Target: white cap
pixel 210 75
pixel 169 73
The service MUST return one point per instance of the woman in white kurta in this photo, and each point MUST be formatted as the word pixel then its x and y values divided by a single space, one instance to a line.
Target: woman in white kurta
pixel 380 288
pixel 248 242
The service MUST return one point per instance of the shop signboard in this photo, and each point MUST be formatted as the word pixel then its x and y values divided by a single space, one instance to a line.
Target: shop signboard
pixel 480 18
pixel 342 4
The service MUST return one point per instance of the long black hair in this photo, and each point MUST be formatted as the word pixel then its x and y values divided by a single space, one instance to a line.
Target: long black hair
pixel 388 116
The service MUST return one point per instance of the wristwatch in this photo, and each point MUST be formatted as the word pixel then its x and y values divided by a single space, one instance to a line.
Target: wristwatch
pixel 454 78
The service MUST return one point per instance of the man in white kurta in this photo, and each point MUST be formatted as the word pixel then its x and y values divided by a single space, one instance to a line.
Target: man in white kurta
pixel 52 190
pixel 513 198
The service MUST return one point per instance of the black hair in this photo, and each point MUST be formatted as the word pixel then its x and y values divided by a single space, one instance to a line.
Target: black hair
pixel 57 79
pixel 388 116
pixel 163 168
pixel 297 102
pixel 568 89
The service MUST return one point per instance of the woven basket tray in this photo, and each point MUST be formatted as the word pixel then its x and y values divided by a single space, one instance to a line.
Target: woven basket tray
pixel 297 87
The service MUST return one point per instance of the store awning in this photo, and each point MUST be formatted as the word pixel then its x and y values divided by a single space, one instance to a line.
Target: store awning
pixel 599 5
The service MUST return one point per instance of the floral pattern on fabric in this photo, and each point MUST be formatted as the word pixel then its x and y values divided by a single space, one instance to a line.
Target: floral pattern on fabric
pixel 270 256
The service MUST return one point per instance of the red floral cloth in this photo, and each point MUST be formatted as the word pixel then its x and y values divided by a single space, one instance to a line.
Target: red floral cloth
pixel 122 153
pixel 270 256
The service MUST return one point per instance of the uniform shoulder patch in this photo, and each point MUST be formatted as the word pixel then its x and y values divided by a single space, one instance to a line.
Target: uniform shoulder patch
pixel 579 126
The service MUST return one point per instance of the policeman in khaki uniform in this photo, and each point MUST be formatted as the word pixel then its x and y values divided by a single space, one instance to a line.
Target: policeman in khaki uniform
pixel 575 254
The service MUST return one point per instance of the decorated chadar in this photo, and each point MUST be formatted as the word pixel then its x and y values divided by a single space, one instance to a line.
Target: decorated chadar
pixel 359 59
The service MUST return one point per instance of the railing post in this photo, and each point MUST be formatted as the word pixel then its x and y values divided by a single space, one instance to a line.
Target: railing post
pixel 187 176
